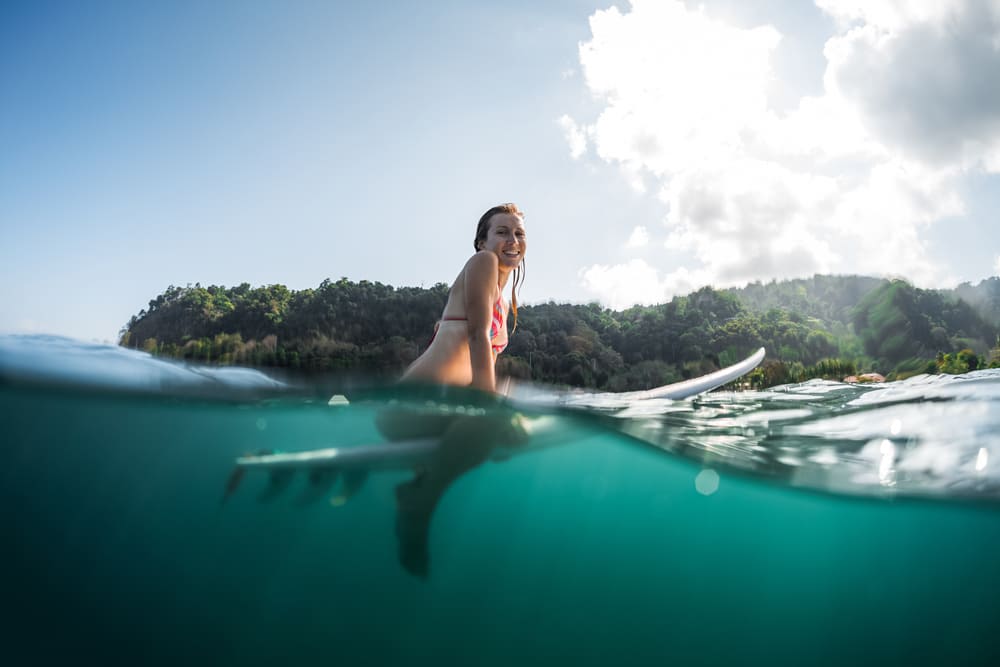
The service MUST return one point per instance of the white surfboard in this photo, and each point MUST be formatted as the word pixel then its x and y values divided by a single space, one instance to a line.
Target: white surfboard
pixel 542 430
pixel 532 395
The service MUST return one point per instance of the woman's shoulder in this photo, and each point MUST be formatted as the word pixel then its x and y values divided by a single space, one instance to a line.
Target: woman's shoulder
pixel 482 266
pixel 480 272
pixel 483 259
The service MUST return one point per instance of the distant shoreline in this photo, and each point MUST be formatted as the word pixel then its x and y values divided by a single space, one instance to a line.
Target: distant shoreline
pixel 829 327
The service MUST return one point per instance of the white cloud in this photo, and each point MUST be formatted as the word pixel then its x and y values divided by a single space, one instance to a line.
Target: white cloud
pixel 996 266
pixel 637 282
pixel 750 218
pixel 624 285
pixel 575 136
pixel 678 86
pixel 889 14
pixel 639 238
pixel 923 76
pixel 849 181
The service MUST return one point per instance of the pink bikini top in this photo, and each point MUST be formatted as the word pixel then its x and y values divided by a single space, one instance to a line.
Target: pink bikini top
pixel 496 325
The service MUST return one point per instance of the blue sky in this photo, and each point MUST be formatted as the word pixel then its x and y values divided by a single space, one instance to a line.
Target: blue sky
pixel 655 146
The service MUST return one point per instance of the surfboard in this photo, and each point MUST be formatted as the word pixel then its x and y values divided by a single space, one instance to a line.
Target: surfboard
pixel 541 431
pixel 533 395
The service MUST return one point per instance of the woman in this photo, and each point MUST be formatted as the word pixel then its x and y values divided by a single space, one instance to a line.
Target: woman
pixel 470 334
pixel 472 331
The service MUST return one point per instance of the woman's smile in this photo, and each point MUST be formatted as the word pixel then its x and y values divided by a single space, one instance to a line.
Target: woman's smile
pixel 507 239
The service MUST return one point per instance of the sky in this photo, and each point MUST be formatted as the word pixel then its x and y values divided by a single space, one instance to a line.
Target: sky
pixel 656 146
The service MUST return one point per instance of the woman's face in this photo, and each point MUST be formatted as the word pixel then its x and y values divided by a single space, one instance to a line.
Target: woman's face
pixel 507 239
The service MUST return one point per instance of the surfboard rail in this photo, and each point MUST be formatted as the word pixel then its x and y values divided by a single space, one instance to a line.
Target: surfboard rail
pixel 529 394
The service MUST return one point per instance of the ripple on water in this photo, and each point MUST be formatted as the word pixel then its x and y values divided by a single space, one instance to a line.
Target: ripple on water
pixel 928 436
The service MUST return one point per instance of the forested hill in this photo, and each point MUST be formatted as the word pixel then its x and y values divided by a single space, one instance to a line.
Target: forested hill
pixel 984 297
pixel 828 298
pixel 825 326
pixel 834 298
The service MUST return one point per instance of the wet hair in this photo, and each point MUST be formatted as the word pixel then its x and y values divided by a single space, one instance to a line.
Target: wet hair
pixel 482 229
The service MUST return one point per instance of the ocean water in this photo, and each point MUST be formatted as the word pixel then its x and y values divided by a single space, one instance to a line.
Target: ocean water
pixel 814 524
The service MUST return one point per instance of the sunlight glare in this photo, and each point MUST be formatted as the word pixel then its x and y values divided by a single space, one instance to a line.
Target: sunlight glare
pixel 982 458
pixel 707 482
pixel 885 469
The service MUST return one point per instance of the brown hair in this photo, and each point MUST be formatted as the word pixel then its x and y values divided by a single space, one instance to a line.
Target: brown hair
pixel 482 229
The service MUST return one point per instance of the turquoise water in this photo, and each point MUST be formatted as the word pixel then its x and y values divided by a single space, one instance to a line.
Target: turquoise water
pixel 813 524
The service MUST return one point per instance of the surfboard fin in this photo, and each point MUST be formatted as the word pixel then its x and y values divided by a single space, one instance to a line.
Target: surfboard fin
pixel 353 480
pixel 237 475
pixel 278 481
pixel 319 482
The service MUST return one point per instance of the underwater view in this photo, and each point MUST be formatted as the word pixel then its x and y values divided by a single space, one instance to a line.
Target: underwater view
pixel 812 524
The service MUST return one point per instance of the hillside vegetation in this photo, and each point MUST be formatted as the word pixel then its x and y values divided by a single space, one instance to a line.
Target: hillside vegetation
pixel 825 326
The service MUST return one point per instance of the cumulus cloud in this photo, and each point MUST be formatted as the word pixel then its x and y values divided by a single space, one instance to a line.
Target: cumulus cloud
pixel 625 284
pixel 636 282
pixel 639 238
pixel 575 136
pixel 924 76
pixel 849 181
pixel 888 14
pixel 996 266
pixel 676 84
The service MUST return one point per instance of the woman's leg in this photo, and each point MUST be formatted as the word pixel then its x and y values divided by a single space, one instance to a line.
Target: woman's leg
pixel 468 442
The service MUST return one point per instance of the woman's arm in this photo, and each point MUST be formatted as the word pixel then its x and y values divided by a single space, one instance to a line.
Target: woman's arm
pixel 480 287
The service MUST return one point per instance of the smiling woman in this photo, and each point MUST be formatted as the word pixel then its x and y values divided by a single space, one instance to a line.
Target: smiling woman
pixel 471 333
pixel 472 330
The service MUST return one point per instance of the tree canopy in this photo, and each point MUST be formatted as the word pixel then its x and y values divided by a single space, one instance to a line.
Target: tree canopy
pixel 826 326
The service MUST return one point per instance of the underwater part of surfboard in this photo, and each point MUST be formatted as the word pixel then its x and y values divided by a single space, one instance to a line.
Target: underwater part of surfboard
pixel 353 464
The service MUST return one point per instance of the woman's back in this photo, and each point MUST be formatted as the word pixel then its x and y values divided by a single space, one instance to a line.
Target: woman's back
pixel 447 359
